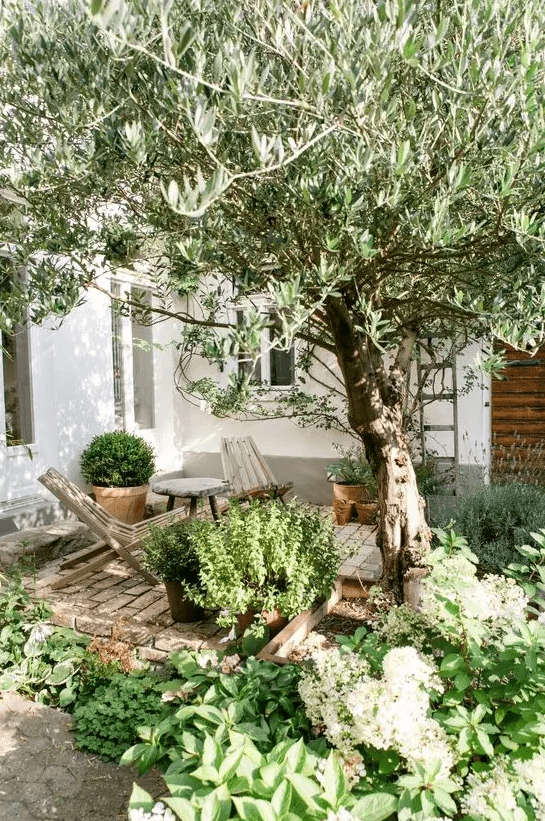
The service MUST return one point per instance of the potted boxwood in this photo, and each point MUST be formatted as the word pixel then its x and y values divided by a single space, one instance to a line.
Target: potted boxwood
pixel 118 466
pixel 170 555
pixel 263 559
pixel 353 485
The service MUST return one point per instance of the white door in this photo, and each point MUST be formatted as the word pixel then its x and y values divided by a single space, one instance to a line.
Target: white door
pixel 17 438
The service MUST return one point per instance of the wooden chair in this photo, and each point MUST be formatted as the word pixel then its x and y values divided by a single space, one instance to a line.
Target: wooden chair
pixel 247 471
pixel 116 539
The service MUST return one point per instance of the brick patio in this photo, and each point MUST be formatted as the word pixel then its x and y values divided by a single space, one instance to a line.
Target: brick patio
pixel 115 598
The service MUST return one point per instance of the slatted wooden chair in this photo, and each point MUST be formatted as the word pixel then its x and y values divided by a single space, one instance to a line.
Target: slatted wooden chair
pixel 247 471
pixel 116 539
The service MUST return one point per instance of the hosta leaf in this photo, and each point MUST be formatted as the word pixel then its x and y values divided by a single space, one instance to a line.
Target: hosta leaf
pixel 374 807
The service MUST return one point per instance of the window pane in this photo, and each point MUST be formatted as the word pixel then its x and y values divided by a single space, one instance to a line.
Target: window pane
pixel 246 365
pixel 117 354
pixel 142 371
pixel 281 363
pixel 282 367
pixel 19 426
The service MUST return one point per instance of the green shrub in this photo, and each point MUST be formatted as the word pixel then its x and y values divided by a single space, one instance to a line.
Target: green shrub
pixel 117 459
pixel 170 554
pixel 107 719
pixel 497 518
pixel 263 557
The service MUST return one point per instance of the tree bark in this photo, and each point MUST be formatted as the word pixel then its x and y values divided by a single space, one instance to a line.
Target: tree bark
pixel 375 412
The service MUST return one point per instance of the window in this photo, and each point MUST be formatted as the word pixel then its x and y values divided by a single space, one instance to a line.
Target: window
pixel 18 421
pixel 133 371
pixel 276 367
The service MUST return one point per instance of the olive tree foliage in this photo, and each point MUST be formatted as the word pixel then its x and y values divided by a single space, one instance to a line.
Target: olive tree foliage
pixel 373 168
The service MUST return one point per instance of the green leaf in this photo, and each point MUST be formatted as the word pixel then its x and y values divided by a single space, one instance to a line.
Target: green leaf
pixel 140 799
pixel 217 805
pixel 333 780
pixel 281 799
pixel 254 809
pixel 306 789
pixel 461 681
pixel 183 808
pixel 375 806
pixel 60 673
pixel 452 663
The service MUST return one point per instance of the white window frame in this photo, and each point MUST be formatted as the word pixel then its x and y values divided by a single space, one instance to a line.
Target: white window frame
pixel 264 306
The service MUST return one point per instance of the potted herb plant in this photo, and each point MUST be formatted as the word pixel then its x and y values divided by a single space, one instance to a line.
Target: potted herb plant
pixel 264 558
pixel 169 554
pixel 118 466
pixel 353 484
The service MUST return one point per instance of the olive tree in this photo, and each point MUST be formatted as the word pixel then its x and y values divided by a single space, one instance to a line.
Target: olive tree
pixel 374 168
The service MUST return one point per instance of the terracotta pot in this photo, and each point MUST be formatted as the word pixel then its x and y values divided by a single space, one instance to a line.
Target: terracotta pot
pixel 350 493
pixel 125 503
pixel 343 510
pixel 181 608
pixel 366 512
pixel 274 620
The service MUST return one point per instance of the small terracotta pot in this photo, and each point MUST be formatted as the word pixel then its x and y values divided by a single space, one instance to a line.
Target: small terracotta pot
pixel 181 608
pixel 274 620
pixel 125 503
pixel 350 493
pixel 343 510
pixel 367 512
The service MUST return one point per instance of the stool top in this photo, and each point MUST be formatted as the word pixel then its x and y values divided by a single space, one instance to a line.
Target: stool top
pixel 196 487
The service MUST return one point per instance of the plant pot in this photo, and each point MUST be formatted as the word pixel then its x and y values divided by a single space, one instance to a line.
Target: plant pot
pixel 343 509
pixel 273 619
pixel 125 503
pixel 181 608
pixel 367 512
pixel 350 493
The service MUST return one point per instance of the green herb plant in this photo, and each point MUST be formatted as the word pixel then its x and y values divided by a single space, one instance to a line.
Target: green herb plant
pixel 353 469
pixel 264 556
pixel 169 552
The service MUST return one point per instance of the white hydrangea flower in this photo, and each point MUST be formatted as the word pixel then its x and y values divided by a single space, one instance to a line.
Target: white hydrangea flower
pixel 160 812
pixel 490 793
pixel 387 713
pixel 531 779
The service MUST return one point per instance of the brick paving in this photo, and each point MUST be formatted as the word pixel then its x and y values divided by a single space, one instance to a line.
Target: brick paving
pixel 117 601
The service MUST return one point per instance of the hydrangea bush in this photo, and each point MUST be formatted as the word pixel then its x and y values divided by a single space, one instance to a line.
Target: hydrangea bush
pixel 454 724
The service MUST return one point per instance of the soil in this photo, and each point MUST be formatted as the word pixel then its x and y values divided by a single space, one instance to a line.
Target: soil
pixel 344 619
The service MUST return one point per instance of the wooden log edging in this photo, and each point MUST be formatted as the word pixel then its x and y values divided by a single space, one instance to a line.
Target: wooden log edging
pixel 279 648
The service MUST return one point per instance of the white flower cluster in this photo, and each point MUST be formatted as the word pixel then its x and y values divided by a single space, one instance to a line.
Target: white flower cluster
pixel 497 790
pixel 387 713
pixel 531 779
pixel 495 601
pixel 324 690
pixel 490 792
pixel 160 812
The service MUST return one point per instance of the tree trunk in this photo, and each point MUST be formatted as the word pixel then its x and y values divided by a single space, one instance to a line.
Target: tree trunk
pixel 403 532
pixel 375 412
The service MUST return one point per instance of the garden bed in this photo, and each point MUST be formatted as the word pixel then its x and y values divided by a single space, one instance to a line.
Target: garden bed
pixel 342 613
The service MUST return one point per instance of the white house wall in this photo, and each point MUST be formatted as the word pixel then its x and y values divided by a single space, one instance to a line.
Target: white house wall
pixel 301 454
pixel 73 399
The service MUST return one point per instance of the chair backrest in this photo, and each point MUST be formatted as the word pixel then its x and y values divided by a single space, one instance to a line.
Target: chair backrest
pixel 243 465
pixel 88 511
